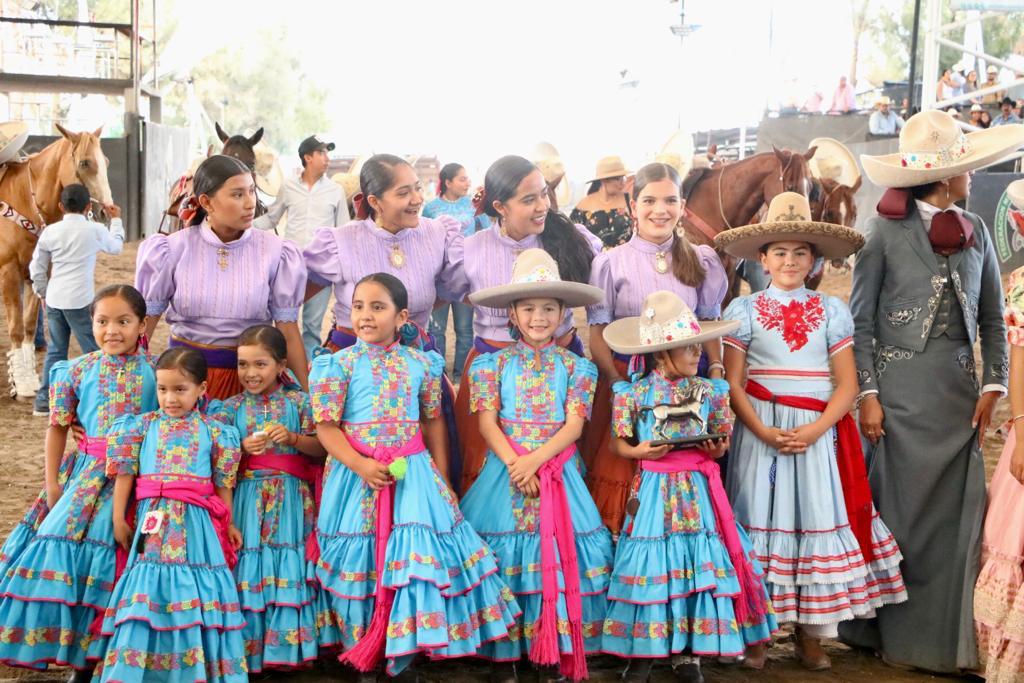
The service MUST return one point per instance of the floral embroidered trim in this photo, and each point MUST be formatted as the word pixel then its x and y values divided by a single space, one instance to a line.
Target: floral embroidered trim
pixel 681 327
pixel 885 354
pixel 661 630
pixel 966 362
pixel 903 316
pixel 938 284
pixel 795 321
pixel 947 156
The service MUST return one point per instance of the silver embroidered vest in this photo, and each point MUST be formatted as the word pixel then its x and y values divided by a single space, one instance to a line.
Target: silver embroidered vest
pixel 949 317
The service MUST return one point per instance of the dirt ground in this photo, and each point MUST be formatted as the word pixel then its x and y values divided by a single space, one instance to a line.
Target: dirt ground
pixel 21 458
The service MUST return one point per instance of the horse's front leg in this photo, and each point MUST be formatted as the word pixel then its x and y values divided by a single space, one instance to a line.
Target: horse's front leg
pixel 22 379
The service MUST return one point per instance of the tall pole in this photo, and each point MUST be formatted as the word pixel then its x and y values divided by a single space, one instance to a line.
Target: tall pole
pixel 911 98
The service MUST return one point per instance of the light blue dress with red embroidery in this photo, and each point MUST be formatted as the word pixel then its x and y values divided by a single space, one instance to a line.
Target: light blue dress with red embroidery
pixel 174 614
pixel 673 582
pixel 58 567
pixel 792 506
pixel 275 513
pixel 449 598
pixel 533 391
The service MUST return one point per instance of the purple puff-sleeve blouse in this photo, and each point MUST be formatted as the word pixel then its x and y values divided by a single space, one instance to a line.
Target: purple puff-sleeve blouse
pixel 489 259
pixel 433 267
pixel 627 275
pixel 211 291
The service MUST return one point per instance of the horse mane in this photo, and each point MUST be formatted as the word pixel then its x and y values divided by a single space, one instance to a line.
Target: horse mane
pixel 690 181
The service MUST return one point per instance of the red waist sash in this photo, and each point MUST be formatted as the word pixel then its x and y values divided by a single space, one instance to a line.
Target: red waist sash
pixel 298 466
pixel 198 493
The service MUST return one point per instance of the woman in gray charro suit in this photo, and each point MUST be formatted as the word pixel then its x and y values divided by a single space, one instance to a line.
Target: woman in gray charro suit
pixel 925 287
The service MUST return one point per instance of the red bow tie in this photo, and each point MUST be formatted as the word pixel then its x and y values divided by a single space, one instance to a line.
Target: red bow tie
pixel 950 233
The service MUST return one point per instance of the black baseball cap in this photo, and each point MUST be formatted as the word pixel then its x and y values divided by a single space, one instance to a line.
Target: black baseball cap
pixel 312 144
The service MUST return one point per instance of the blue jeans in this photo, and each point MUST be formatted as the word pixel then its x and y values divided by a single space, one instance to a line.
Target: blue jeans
pixel 313 319
pixel 61 323
pixel 463 333
pixel 40 336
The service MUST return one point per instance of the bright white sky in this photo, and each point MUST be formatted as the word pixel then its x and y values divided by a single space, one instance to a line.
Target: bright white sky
pixel 470 80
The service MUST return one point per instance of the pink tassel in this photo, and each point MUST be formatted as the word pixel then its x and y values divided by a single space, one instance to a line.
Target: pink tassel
pixel 544 650
pixel 369 651
pixel 749 606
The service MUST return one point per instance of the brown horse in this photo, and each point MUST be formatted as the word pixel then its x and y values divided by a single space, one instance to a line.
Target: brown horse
pixel 239 146
pixel 833 202
pixel 31 191
pixel 730 196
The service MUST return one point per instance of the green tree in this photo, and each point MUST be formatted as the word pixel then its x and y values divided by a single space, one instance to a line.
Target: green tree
pixel 262 88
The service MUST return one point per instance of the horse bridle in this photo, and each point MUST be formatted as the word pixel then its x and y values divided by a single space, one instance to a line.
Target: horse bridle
pixel 721 204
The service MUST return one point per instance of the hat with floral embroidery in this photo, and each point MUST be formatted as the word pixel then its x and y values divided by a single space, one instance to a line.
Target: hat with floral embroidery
pixel 535 276
pixel 666 322
pixel 932 147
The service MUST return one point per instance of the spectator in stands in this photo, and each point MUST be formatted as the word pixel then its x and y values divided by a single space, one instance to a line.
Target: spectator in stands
pixel 971 84
pixel 843 100
pixel 883 120
pixel 946 87
pixel 992 73
pixel 976 115
pixel 814 102
pixel 986 119
pixel 1006 114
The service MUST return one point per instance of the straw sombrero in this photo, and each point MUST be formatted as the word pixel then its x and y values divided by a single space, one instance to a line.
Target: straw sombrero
pixel 535 276
pixel 677 152
pixel 551 166
pixel 833 161
pixel 13 135
pixel 932 148
pixel 349 183
pixel 789 220
pixel 268 171
pixel 666 323
pixel 1015 191
pixel 609 167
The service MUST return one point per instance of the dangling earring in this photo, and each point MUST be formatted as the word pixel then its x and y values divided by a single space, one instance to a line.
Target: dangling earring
pixel 513 331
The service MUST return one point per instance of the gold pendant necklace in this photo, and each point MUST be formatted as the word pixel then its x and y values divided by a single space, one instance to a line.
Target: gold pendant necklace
pixel 397 256
pixel 222 258
pixel 661 262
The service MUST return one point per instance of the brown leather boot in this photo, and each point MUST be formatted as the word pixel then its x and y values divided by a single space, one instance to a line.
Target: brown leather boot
pixel 810 653
pixel 755 657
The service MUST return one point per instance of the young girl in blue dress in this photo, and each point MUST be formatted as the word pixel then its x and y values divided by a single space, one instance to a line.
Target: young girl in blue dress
pixel 796 477
pixel 174 614
pixel 402 572
pixel 274 506
pixel 533 399
pixel 60 580
pixel 684 583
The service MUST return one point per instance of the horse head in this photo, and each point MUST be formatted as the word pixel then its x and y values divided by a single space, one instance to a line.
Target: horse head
pixel 835 203
pixel 794 174
pixel 240 146
pixel 86 164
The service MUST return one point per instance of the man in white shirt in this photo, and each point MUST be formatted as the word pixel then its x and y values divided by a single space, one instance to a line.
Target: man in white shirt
pixel 311 201
pixel 883 120
pixel 67 250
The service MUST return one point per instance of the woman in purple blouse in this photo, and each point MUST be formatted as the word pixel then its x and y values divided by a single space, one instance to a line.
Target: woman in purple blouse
pixel 515 196
pixel 217 277
pixel 390 236
pixel 656 257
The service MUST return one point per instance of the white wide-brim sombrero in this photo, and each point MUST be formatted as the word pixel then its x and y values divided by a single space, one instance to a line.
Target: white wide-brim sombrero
pixel 832 160
pixel 13 136
pixel 535 276
pixel 666 323
pixel 789 220
pixel 269 176
pixel 932 148
pixel 1015 191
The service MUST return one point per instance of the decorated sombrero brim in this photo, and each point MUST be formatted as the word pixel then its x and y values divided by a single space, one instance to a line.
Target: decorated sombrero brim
pixel 789 220
pixel 932 148
pixel 13 135
pixel 666 323
pixel 535 276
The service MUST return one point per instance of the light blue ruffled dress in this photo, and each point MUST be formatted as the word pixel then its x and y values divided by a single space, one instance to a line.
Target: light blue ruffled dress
pixel 58 566
pixel 449 598
pixel 174 614
pixel 275 512
pixel 792 506
pixel 673 582
pixel 533 392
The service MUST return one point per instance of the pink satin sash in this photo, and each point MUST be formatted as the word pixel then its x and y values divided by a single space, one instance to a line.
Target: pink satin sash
pixel 198 493
pixel 297 466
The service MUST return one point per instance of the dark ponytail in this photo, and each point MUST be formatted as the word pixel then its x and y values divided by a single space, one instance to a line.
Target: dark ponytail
pixel 570 250
pixel 375 178
pixel 447 174
pixel 686 265
pixel 187 361
pixel 210 177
